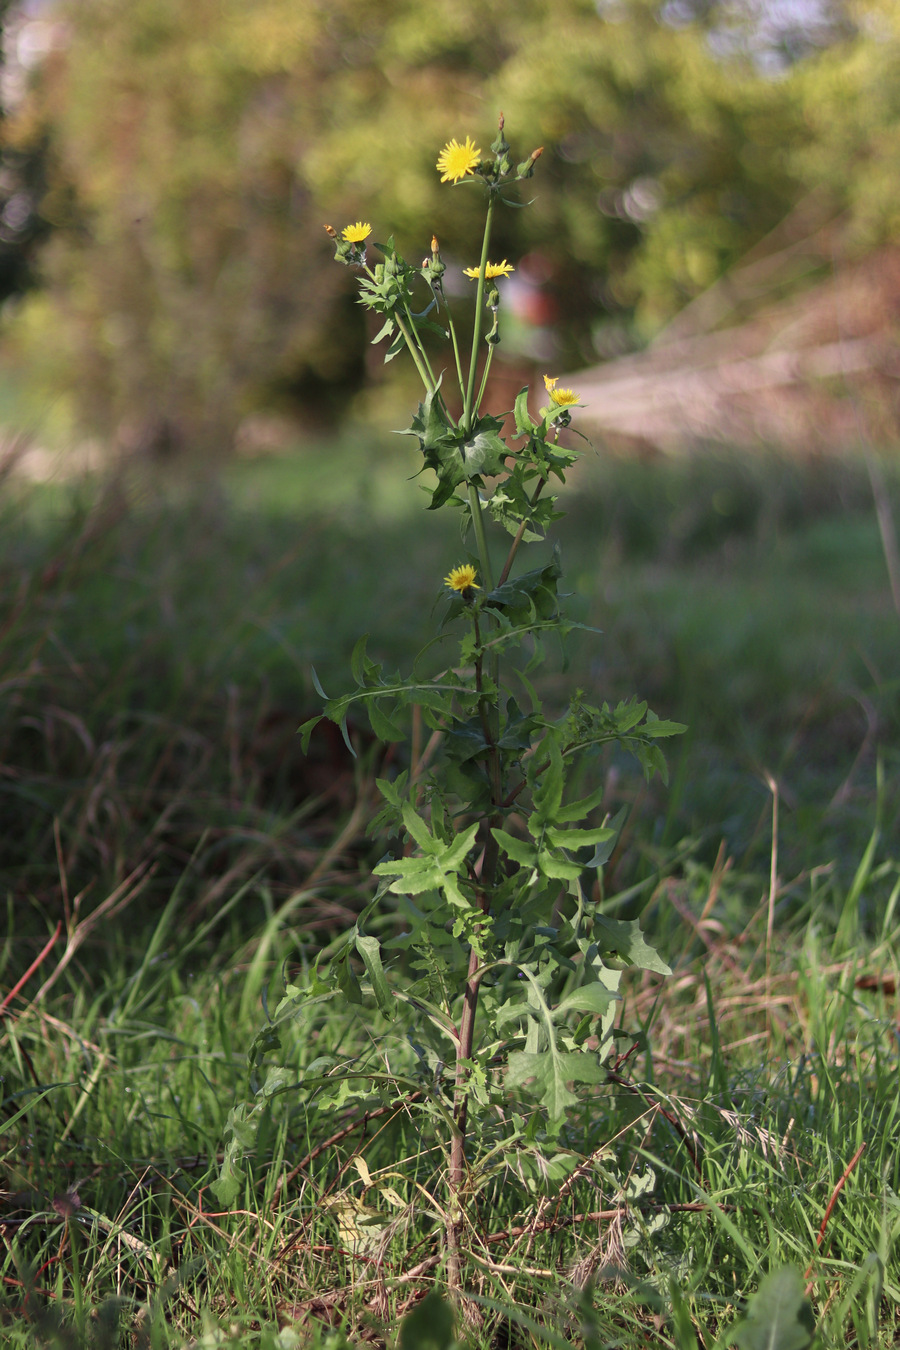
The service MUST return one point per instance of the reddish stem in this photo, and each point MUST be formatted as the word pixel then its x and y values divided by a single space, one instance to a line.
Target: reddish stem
pixel 831 1203
pixel 38 961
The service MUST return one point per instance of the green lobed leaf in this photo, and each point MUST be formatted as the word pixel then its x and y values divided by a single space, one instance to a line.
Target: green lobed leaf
pixel 551 1072
pixel 624 937
pixel 517 849
pixel 483 455
pixel 529 595
pixel 241 1129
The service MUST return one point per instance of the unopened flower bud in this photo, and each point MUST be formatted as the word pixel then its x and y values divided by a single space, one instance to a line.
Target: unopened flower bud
pixel 526 168
pixel 436 268
pixel 343 249
pixel 500 146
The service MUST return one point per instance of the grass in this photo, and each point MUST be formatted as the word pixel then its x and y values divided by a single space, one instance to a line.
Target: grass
pixel 156 643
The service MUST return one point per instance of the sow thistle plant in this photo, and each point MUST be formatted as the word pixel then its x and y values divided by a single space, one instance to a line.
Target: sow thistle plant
pixel 501 976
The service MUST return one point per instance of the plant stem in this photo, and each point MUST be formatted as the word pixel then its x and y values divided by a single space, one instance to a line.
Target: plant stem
pixel 420 347
pixel 457 1168
pixel 520 532
pixel 484 556
pixel 77 1290
pixel 468 409
pixel 424 373
pixel 484 375
pixel 452 327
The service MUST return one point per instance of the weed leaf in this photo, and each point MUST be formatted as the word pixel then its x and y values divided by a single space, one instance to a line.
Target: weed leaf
pixel 779 1316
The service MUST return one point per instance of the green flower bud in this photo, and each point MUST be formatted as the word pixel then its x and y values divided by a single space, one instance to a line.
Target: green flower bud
pixel 526 168
pixel 436 268
pixel 500 146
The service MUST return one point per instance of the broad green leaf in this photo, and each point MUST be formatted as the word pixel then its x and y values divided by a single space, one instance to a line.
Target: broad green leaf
pixel 429 1326
pixel 546 1073
pixel 384 728
pixel 520 852
pixel 624 937
pixel 578 838
pixel 358 660
pixel 640 1185
pixel 437 869
pixel 553 865
pixel 416 826
pixel 483 454
pixel 459 849
pixel 241 1129
pixel 655 726
pixel 370 952
pixel 306 730
pixel 525 424
pixel 779 1315
pixel 532 592
pixel 383 332
pixel 551 1071
pixel 627 715
pixel 390 792
pixel 419 874
pixel 603 851
pixel 583 807
pixel 589 998
pixel 346 978
pixel 548 789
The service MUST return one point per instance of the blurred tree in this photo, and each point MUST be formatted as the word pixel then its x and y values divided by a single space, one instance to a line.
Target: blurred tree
pixel 22 165
pixel 197 150
pixel 849 100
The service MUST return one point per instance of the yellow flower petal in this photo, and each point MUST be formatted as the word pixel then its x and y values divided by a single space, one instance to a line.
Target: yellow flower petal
pixel 462 578
pixel 492 270
pixel 563 398
pixel 456 161
pixel 358 233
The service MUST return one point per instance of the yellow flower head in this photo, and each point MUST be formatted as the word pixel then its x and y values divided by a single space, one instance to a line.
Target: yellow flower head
pixel 457 161
pixel 462 578
pixel 492 270
pixel 563 398
pixel 358 233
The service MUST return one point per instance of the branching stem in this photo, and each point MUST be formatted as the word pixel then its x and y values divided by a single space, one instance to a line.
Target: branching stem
pixel 520 534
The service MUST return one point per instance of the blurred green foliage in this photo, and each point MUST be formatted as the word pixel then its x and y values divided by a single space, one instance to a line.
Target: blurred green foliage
pixel 195 152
